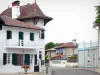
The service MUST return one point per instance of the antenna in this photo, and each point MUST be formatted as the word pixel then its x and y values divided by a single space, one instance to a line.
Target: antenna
pixel 35 1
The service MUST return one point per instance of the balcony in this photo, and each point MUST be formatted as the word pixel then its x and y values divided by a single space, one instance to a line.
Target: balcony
pixel 24 44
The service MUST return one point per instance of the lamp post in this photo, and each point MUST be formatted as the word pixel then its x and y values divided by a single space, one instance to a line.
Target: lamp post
pixel 74 43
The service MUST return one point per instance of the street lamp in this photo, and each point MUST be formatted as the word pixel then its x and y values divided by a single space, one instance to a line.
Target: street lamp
pixel 74 43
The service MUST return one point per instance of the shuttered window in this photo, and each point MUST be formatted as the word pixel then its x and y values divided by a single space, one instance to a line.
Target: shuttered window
pixel 35 59
pixel 4 58
pixel 21 35
pixel 9 34
pixel 42 34
pixel 32 36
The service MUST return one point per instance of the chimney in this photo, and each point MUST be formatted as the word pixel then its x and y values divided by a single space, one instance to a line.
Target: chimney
pixel 15 9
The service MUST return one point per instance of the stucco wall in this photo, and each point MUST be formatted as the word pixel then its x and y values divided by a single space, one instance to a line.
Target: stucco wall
pixel 69 51
pixel 39 43
pixel 51 53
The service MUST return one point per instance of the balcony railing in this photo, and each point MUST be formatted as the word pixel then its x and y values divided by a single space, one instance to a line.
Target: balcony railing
pixel 20 43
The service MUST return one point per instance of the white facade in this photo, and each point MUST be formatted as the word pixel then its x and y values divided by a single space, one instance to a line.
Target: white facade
pixel 87 54
pixel 22 38
pixel 10 46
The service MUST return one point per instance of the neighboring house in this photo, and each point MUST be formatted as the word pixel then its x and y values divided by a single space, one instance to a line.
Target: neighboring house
pixel 67 49
pixel 87 54
pixel 64 51
pixel 22 38
pixel 51 52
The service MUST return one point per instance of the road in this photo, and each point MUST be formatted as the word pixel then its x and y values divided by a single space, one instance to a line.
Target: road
pixel 64 71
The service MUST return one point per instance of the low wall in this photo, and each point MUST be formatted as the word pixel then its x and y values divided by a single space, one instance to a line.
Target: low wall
pixel 71 64
pixel 62 63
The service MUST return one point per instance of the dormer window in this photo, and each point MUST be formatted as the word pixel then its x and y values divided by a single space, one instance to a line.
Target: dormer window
pixel 35 20
pixel 9 34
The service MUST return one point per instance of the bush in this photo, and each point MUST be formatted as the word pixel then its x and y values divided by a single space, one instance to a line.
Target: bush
pixel 73 57
pixel 46 59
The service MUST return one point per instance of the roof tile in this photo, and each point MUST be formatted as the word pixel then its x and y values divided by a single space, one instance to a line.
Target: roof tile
pixel 13 22
pixel 67 45
pixel 27 11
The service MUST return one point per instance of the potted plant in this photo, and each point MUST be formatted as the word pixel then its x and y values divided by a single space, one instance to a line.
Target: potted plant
pixel 26 67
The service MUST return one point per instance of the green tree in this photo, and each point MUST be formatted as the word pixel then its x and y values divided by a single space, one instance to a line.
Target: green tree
pixel 49 45
pixel 97 21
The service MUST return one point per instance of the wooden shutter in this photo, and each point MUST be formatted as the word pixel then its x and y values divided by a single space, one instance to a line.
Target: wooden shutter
pixel 14 59
pixel 9 34
pixel 35 59
pixel 42 34
pixel 21 35
pixel 27 59
pixel 0 27
pixel 4 58
pixel 32 36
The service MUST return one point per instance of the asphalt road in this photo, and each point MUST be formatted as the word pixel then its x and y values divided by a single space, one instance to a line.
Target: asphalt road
pixel 73 72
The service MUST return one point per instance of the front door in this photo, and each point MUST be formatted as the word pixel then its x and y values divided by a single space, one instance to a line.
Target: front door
pixel 36 64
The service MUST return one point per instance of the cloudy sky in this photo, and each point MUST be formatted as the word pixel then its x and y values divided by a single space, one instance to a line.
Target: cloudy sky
pixel 71 19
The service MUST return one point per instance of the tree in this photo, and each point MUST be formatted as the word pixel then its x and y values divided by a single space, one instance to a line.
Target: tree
pixel 97 21
pixel 49 45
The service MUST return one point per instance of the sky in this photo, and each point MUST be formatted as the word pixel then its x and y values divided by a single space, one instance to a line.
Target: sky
pixel 72 19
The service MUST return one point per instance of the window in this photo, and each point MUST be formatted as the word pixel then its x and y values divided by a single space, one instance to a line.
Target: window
pixel 0 27
pixel 32 36
pixel 42 34
pixel 20 35
pixel 9 34
pixel 40 55
pixel 8 58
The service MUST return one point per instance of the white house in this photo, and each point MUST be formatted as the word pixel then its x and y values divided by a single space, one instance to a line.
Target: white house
pixel 22 38
pixel 87 54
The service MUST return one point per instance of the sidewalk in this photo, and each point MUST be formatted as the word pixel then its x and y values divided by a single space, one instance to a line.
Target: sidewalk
pixel 30 73
pixel 92 69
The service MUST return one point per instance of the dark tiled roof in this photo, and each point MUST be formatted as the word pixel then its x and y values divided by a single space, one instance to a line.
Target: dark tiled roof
pixel 15 23
pixel 67 45
pixel 28 11
pixel 57 57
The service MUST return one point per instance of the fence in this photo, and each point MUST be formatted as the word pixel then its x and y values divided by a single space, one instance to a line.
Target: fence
pixel 89 45
pixel 88 54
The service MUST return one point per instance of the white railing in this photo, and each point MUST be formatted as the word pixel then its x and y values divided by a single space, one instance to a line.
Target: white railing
pixel 84 45
pixel 19 43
